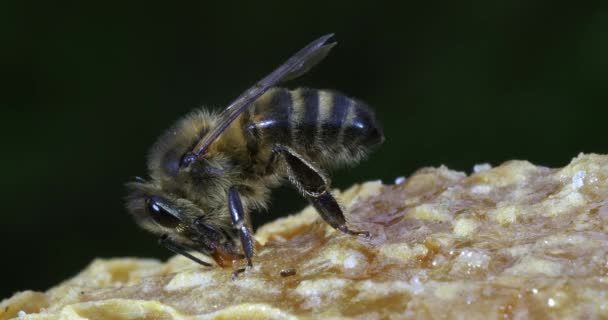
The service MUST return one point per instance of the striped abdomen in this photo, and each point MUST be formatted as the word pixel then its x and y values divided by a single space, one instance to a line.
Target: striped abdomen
pixel 326 126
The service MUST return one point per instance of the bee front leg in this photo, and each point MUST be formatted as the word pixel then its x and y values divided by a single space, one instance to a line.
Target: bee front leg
pixel 237 214
pixel 178 249
pixel 315 187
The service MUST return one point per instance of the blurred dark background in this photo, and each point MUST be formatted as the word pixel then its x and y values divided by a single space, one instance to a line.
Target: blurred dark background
pixel 89 86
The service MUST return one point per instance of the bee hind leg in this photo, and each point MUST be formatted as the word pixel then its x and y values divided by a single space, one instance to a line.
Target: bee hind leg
pixel 239 221
pixel 311 182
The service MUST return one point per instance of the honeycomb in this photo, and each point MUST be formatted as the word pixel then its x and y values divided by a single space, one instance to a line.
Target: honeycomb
pixel 510 242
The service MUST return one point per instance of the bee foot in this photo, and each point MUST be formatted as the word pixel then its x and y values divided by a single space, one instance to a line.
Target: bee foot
pixel 235 274
pixel 346 230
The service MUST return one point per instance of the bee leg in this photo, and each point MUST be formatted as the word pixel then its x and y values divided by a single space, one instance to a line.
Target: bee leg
pixel 174 247
pixel 272 164
pixel 237 214
pixel 315 187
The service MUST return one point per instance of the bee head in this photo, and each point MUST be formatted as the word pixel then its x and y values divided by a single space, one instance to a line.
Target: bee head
pixel 166 214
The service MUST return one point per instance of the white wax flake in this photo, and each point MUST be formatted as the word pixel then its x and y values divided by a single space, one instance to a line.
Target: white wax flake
pixel 481 189
pixel 473 259
pixel 551 302
pixel 399 180
pixel 21 314
pixel 481 167
pixel 438 260
pixel 578 179
pixel 416 286
pixel 350 262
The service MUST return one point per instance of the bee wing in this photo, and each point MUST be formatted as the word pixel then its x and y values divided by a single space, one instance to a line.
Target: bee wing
pixel 294 67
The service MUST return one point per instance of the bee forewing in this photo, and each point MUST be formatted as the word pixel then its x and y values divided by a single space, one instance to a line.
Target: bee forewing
pixel 312 60
pixel 294 67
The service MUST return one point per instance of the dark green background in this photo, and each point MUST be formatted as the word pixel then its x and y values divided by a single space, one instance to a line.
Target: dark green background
pixel 88 88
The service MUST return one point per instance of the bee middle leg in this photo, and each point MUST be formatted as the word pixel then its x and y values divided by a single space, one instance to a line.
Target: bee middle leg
pixel 315 187
pixel 237 214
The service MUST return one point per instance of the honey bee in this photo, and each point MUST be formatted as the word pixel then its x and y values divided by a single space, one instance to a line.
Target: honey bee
pixel 210 170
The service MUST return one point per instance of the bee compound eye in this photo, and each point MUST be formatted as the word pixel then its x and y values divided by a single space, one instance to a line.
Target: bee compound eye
pixel 160 215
